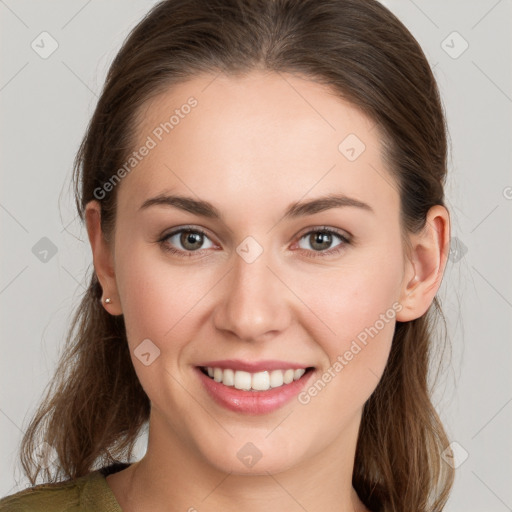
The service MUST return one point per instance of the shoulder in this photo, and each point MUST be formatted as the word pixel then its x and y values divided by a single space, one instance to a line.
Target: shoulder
pixel 45 497
pixel 84 494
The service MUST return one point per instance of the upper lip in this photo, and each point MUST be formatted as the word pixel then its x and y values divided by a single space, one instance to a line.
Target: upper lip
pixel 254 366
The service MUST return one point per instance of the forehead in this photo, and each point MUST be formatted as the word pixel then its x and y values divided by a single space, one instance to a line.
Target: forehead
pixel 261 136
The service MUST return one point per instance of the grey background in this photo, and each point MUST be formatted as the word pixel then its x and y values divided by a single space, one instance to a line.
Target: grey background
pixel 45 107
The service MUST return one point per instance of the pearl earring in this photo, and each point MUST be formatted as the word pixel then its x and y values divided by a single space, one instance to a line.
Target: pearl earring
pixel 108 300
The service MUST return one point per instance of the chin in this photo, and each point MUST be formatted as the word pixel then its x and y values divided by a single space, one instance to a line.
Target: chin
pixel 245 457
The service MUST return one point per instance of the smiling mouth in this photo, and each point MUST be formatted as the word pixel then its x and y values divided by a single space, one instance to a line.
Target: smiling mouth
pixel 258 381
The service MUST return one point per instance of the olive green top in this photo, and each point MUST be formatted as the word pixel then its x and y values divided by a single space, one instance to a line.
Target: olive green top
pixel 90 493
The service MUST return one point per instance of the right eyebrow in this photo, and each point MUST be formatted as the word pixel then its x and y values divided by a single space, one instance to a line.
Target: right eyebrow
pixel 188 204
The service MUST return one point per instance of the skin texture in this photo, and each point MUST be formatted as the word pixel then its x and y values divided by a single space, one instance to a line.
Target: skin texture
pixel 252 146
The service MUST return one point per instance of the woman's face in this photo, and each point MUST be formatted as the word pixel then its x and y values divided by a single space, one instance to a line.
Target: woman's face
pixel 259 291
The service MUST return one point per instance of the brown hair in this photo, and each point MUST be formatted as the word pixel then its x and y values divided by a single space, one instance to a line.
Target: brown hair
pixel 95 407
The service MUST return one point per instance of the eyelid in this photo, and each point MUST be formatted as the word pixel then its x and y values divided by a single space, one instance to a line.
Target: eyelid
pixel 185 227
pixel 340 232
pixel 178 229
pixel 344 236
pixel 315 227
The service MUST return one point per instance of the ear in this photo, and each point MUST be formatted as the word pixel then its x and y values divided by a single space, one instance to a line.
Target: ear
pixel 103 258
pixel 425 264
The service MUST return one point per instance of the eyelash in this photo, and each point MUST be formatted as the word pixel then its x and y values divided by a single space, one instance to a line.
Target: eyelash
pixel 313 254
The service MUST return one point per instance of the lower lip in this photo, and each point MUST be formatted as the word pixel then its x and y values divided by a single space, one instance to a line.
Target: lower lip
pixel 253 402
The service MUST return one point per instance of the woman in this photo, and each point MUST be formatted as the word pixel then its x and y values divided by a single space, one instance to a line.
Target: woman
pixel 262 185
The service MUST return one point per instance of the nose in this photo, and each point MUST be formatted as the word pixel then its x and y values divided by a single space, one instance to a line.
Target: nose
pixel 254 302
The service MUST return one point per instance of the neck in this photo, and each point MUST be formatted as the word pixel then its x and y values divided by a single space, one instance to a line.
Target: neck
pixel 173 477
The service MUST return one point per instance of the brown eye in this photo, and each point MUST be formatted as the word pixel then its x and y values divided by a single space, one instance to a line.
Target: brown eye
pixel 191 240
pixel 185 241
pixel 321 241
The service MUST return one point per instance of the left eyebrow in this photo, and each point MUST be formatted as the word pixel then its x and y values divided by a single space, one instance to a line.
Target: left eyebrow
pixel 300 209
pixel 295 210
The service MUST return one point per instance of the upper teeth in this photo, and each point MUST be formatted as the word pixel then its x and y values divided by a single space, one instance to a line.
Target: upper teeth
pixel 260 381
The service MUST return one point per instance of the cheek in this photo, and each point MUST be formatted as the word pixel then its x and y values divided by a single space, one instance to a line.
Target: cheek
pixel 162 301
pixel 356 307
pixel 154 296
pixel 354 295
pixel 352 306
pixel 159 302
